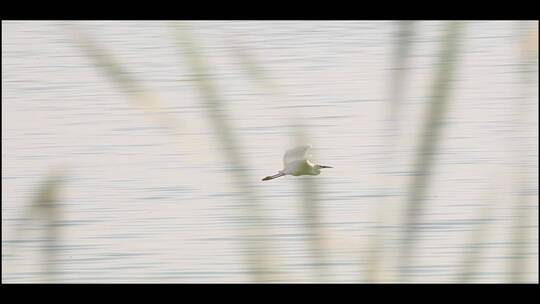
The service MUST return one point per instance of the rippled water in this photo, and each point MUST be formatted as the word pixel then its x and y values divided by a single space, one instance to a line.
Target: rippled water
pixel 137 206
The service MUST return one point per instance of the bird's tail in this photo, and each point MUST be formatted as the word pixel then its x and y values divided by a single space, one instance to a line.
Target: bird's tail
pixel 273 176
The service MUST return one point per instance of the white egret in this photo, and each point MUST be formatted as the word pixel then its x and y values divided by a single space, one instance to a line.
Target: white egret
pixel 298 162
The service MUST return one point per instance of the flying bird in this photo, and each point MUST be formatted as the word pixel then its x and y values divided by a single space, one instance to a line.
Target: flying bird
pixel 298 162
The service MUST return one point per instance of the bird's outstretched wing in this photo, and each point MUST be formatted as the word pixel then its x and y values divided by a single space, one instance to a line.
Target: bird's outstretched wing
pixel 298 153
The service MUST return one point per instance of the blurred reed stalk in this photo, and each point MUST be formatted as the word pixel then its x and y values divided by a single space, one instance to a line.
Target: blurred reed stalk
pixel 429 139
pixel 150 102
pixel 258 258
pixel 519 234
pixel 401 63
pixel 377 255
pixel 46 204
pixel 472 257
pixel 45 209
pixel 310 197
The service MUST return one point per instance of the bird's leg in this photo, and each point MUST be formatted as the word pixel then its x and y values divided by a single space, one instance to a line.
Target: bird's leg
pixel 273 176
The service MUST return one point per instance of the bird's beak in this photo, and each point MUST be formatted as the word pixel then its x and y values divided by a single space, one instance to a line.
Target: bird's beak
pixel 325 166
